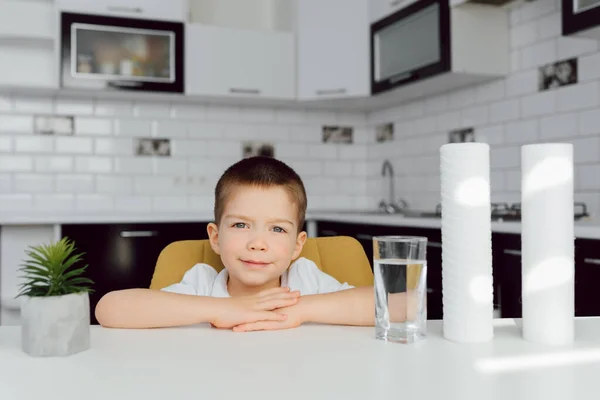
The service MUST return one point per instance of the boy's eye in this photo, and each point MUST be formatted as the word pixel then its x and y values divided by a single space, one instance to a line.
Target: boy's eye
pixel 240 225
pixel 279 229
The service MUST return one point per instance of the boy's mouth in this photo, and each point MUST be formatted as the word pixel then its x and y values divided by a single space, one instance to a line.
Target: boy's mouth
pixel 255 263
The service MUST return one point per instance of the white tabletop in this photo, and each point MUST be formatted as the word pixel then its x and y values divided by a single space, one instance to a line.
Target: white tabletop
pixel 309 362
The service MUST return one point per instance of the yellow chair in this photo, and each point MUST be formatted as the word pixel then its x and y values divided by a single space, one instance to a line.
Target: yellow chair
pixel 341 257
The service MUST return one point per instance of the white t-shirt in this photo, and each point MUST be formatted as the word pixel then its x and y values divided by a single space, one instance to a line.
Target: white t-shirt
pixel 302 275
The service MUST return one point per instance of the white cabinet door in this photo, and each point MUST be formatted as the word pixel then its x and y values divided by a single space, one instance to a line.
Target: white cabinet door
pixel 169 10
pixel 239 63
pixel 333 49
pixel 382 8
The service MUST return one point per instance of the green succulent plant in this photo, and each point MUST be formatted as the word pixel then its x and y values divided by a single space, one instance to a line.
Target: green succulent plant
pixel 49 270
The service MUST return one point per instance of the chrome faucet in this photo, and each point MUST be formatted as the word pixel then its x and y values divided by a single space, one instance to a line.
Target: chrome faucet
pixel 385 168
pixel 391 207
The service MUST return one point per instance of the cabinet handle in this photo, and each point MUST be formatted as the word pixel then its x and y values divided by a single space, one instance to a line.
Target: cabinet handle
pixel 134 234
pixel 131 10
pixel 513 252
pixel 434 244
pixel 244 91
pixel 364 236
pixel 594 261
pixel 329 233
pixel 325 92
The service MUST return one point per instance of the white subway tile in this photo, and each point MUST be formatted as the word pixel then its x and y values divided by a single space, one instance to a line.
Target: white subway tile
pixel 352 186
pixel 256 115
pixel 589 67
pixel 93 202
pixel 549 26
pixel 592 201
pixel 155 185
pixel 514 16
pixel 354 152
pixel 53 164
pixel 130 165
pixel 74 145
pixel 355 119
pixel 5 144
pixel 521 132
pixel 93 164
pixel 523 35
pixel 447 121
pixel 114 184
pixel 114 108
pixel 320 185
pixel 576 97
pixel 539 54
pixel 536 9
pixel 16 163
pixel 321 117
pixel 589 122
pixel 538 104
pixel 201 202
pixel 322 151
pixel 222 113
pixel 235 132
pixel 138 204
pixel 515 60
pixel 43 105
pixel 220 148
pixel 93 126
pixel 133 127
pixel 170 203
pixel 507 157
pixel 75 183
pixel 569 47
pixel 490 91
pixel 165 166
pixel 153 110
pixel 365 202
pixel 170 129
pixel 291 151
pixel 520 83
pixel 54 202
pixel 34 183
pixel 116 147
pixel 15 202
pixel 360 169
pixel 339 202
pixel 436 104
pixel 425 125
pixel 416 109
pixel 74 106
pixel 34 144
pixel 307 168
pixel 496 181
pixel 505 111
pixel 205 130
pixel 311 134
pixel 6 183
pixel 586 150
pixel 492 134
pixel 188 111
pixel 185 148
pixel 461 98
pixel 558 126
pixel 16 123
pixel 512 181
pixel 289 116
pixel 208 166
pixel 338 168
pixel 6 102
pixel 474 116
pixel 588 177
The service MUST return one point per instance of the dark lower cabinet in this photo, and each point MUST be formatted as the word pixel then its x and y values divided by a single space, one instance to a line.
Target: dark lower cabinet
pixel 507 262
pixel 587 277
pixel 123 256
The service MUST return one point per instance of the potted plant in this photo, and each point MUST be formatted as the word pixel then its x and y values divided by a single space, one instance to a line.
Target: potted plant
pixel 55 305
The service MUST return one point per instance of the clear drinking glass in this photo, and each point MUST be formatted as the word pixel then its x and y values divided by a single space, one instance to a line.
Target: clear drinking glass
pixel 400 268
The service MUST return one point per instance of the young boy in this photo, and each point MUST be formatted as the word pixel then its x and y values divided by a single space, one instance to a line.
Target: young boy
pixel 260 206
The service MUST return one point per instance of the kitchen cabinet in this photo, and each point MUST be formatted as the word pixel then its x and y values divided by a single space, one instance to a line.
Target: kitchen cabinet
pixel 172 10
pixel 333 49
pixel 587 278
pixel 123 256
pixel 581 18
pixel 507 259
pixel 229 62
pixel 379 9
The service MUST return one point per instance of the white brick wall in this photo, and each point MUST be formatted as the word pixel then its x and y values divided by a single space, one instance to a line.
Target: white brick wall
pixel 96 169
pixel 506 114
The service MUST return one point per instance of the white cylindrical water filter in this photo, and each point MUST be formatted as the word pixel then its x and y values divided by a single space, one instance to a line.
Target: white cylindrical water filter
pixel 548 243
pixel 466 242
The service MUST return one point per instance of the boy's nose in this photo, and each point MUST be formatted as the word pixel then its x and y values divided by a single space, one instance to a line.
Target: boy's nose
pixel 257 243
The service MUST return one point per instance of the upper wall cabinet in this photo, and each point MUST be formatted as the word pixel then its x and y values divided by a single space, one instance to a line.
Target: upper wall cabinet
pixel 382 8
pixel 230 62
pixel 333 49
pixel 171 10
pixel 581 18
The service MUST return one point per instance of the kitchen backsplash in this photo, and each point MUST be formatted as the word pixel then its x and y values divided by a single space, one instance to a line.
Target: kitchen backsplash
pixel 109 165
pixel 506 114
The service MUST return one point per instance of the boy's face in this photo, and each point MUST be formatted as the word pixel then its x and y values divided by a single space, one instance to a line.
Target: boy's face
pixel 257 238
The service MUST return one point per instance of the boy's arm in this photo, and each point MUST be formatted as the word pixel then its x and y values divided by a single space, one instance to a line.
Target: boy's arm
pixel 145 308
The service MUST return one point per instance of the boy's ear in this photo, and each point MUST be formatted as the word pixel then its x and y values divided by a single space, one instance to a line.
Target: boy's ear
pixel 300 240
pixel 213 237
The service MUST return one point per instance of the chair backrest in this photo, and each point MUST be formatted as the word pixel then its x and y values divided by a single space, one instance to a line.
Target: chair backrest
pixel 341 257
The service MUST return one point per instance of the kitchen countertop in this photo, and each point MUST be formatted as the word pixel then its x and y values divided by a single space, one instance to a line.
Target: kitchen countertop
pixel 308 362
pixel 583 229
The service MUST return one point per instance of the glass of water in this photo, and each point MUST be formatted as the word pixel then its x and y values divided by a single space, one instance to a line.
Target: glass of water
pixel 400 267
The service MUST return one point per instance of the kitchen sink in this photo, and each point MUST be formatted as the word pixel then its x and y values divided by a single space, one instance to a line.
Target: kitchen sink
pixel 405 213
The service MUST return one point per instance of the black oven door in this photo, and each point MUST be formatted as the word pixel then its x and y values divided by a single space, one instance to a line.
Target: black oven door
pixel 111 53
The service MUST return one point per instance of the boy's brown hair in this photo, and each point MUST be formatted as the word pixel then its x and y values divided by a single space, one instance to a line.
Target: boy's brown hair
pixel 263 172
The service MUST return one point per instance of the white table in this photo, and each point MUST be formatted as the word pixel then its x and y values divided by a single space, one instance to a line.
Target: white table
pixel 309 362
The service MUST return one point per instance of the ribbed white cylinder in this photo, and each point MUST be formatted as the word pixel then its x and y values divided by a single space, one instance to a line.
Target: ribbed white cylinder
pixel 548 243
pixel 466 242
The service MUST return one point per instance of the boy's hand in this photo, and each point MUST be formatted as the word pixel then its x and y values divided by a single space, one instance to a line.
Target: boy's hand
pixel 247 309
pixel 295 317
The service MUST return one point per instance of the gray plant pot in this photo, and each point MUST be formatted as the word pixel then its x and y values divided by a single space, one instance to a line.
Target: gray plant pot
pixel 55 325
